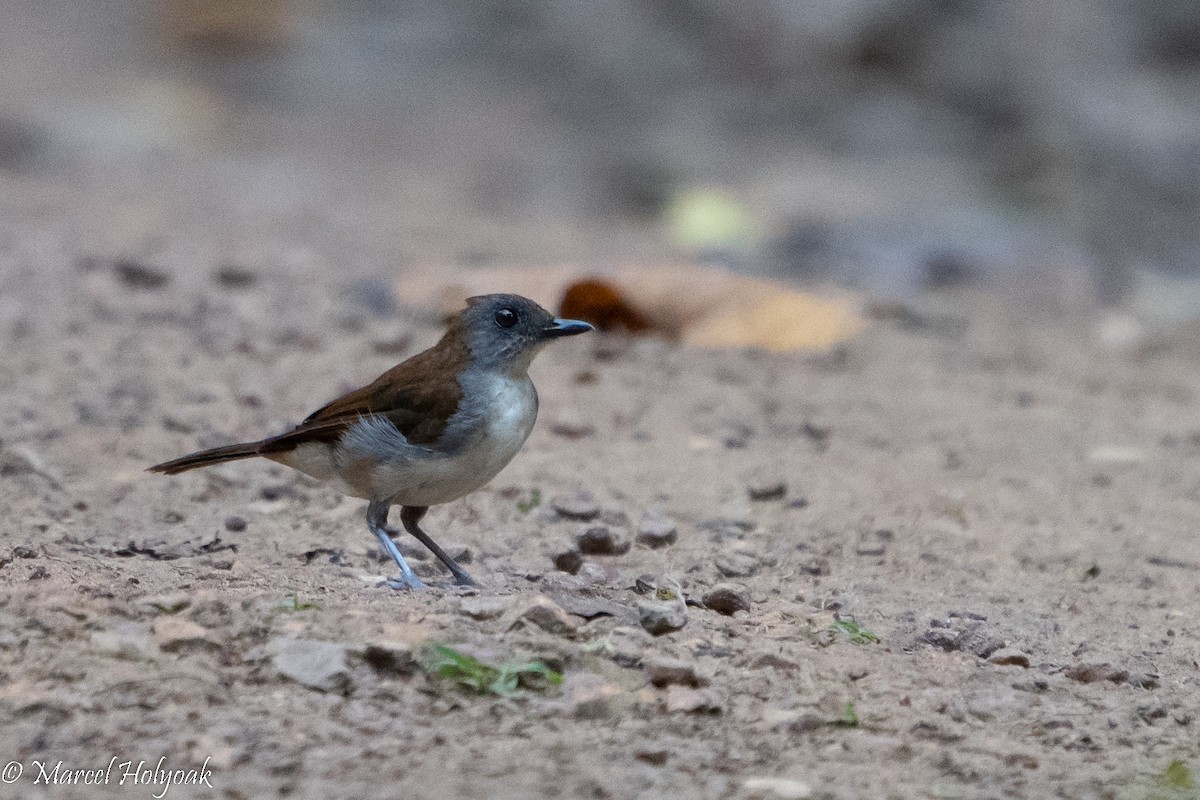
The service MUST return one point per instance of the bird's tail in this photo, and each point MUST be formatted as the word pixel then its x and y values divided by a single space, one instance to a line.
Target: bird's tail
pixel 206 458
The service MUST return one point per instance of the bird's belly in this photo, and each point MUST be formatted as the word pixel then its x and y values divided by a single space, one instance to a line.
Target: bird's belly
pixel 491 443
pixel 374 461
pixel 442 478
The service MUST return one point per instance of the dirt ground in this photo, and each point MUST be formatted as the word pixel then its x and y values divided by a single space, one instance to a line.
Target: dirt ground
pixel 1009 509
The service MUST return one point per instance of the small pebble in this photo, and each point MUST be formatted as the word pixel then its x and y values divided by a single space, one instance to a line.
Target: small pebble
pixel 232 276
pixel 1009 656
pixel 737 564
pixel 176 635
pixel 566 556
pixel 727 598
pixel 549 616
pixel 579 505
pixel 736 437
pixel 235 524
pixel 601 540
pixel 687 700
pixel 482 608
pixel 570 424
pixel 655 757
pixel 766 484
pixel 389 656
pixel 139 276
pixel 974 639
pixel 673 672
pixel 1095 673
pixel 659 617
pixel 593 573
pixel 941 638
pixel 645 584
pixel 318 665
pixel 655 529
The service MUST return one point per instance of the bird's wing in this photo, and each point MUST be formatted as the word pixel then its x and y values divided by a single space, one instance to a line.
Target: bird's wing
pixel 417 396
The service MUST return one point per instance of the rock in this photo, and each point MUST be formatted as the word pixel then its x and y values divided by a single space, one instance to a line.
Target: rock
pixel 1094 673
pixel 941 638
pixel 662 672
pixel 1009 656
pixel 590 607
pixel 482 608
pixel 974 639
pixel 579 506
pixel 549 616
pixel 177 635
pixel 773 661
pixel 727 598
pixel 737 564
pixel 318 665
pixel 662 616
pixel 655 756
pixel 765 484
pixel 775 789
pixel 591 697
pixel 392 657
pixel 655 529
pixel 235 524
pixel 735 436
pixel 570 424
pixel 593 573
pixel 566 557
pixel 687 700
pixel 138 275
pixel 645 584
pixel 873 544
pixel 601 540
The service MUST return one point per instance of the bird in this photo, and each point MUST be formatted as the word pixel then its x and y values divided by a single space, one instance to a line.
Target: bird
pixel 430 430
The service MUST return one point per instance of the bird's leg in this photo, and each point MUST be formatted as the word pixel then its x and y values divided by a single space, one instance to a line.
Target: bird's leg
pixel 409 517
pixel 377 514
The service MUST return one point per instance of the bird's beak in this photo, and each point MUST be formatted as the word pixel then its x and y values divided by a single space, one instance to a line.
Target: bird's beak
pixel 566 327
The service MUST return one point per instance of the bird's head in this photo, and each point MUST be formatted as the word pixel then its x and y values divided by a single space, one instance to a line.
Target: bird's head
pixel 505 331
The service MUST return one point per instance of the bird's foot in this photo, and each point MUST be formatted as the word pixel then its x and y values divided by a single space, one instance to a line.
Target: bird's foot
pixel 406 583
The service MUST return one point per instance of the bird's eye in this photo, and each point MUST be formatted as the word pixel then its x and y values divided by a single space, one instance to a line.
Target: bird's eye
pixel 506 318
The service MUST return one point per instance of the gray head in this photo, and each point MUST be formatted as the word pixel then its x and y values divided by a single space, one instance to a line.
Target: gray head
pixel 505 331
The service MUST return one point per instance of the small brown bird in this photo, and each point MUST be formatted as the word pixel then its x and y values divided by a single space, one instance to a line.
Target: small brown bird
pixel 429 430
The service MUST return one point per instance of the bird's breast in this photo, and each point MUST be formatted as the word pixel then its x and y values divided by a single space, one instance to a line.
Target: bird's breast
pixel 492 422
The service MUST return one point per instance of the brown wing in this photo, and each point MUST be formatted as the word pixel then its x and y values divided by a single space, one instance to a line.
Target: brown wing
pixel 418 396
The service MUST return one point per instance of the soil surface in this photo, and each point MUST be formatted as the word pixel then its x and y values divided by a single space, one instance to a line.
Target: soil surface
pixel 957 557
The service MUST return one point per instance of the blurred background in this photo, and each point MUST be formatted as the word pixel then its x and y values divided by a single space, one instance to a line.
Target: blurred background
pixel 892 146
